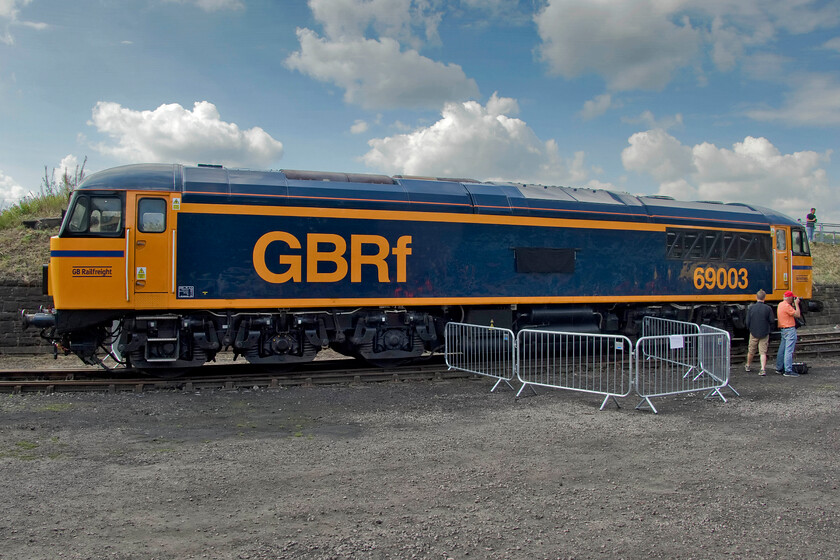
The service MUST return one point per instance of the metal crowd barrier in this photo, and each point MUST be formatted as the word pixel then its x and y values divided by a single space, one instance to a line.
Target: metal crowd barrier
pixel 682 363
pixel 656 326
pixel 673 357
pixel 481 350
pixel 715 358
pixel 589 363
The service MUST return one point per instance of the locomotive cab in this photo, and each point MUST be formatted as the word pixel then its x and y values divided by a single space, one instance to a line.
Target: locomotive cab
pixel 87 259
pixel 113 253
pixel 792 263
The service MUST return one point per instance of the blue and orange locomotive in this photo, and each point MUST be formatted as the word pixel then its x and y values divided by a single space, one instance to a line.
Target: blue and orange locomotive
pixel 166 265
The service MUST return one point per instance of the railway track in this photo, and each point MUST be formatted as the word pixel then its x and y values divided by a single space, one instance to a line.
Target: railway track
pixel 809 344
pixel 234 376
pixel 228 376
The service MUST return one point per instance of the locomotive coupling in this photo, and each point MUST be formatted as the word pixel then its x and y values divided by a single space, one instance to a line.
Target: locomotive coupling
pixel 41 320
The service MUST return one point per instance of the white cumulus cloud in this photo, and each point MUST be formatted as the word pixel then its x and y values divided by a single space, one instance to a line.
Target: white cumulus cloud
pixel 214 5
pixel 647 118
pixel 641 44
pixel 10 191
pixel 813 101
pixel 752 171
pixel 632 45
pixel 67 167
pixel 497 11
pixel 378 74
pixel 832 44
pixel 359 127
pixel 659 154
pixel 596 107
pixel 481 142
pixel 370 49
pixel 172 133
pixel 9 12
pixel 397 19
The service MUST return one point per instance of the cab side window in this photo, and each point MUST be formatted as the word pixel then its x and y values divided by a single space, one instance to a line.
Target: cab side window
pixel 781 240
pixel 799 246
pixel 95 215
pixel 151 215
pixel 81 215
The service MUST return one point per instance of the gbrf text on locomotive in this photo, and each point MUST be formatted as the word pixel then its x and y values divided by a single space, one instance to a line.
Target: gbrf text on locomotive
pixel 364 250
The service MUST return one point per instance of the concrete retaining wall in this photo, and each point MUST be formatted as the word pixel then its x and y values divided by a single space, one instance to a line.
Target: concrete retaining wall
pixel 13 339
pixel 830 316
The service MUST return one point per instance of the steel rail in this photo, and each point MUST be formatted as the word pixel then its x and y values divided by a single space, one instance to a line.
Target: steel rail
pixel 239 375
pixel 226 378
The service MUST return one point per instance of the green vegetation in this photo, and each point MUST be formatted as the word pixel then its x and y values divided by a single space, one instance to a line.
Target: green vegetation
pixel 51 200
pixel 25 450
pixel 56 407
pixel 24 250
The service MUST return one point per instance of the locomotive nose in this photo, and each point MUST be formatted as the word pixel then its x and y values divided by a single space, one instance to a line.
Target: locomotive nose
pixel 40 320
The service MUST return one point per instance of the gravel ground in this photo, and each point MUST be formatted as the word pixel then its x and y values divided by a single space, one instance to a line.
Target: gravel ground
pixel 422 470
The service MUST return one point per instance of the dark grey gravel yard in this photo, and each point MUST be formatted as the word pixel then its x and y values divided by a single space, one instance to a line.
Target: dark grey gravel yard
pixel 422 470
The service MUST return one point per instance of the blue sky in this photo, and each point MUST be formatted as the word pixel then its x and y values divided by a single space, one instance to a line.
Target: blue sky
pixel 732 100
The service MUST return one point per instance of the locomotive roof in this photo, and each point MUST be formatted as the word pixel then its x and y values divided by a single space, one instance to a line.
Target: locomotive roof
pixel 207 183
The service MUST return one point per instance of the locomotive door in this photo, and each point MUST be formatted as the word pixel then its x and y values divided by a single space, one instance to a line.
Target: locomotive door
pixel 781 258
pixel 152 263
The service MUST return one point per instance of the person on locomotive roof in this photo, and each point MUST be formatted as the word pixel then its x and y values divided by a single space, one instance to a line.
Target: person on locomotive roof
pixel 788 312
pixel 760 322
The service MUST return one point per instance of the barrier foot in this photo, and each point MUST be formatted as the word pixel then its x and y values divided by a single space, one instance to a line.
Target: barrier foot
pixel 499 381
pixel 716 391
pixel 523 388
pixel 606 400
pixel 731 388
pixel 649 403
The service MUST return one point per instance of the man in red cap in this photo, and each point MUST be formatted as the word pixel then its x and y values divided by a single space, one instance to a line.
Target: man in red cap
pixel 787 315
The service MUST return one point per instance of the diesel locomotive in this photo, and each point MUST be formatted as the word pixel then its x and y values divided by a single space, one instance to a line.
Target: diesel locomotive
pixel 163 266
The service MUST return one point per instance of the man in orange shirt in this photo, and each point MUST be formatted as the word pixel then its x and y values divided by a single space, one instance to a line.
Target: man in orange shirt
pixel 787 314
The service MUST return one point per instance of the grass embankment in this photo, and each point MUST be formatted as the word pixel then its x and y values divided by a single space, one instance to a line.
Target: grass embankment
pixel 24 250
pixel 826 263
